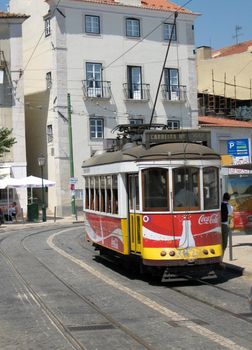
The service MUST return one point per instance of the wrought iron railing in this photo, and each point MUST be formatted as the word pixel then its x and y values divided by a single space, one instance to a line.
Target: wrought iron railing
pixel 173 93
pixel 136 92
pixel 97 89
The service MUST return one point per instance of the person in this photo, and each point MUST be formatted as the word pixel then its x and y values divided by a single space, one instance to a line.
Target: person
pixel 226 213
pixel 13 211
pixel 1 217
pixel 185 198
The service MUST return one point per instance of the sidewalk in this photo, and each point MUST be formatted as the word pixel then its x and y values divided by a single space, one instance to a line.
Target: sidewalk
pixel 240 256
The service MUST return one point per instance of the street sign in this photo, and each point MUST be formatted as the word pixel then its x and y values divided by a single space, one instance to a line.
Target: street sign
pixel 73 180
pixel 238 148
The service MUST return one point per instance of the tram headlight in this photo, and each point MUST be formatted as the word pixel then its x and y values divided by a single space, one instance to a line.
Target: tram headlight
pixel 172 253
pixel 205 251
pixel 212 251
pixel 163 253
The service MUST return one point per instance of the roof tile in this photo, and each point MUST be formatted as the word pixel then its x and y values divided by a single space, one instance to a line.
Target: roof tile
pixel 232 50
pixel 12 15
pixel 163 5
pixel 223 122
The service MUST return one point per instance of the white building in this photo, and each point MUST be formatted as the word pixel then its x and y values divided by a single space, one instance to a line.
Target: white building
pixel 13 163
pixel 108 56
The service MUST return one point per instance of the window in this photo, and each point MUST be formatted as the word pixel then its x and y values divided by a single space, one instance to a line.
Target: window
pixel 94 79
pixel 96 128
pixel 49 133
pixel 211 188
pixel 168 32
pixel 134 82
pixel 186 188
pixel 101 194
pixel 132 27
pixel 92 24
pixel 48 80
pixel 173 124
pixel 171 78
pixel 155 189
pixel 136 121
pixel 47 21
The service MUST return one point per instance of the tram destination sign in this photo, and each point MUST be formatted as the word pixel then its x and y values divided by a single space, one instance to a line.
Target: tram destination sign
pixel 190 135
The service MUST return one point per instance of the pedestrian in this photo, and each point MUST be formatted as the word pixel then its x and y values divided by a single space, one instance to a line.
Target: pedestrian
pixel 13 211
pixel 226 213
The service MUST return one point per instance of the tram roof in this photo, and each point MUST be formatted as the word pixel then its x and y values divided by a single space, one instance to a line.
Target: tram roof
pixel 165 151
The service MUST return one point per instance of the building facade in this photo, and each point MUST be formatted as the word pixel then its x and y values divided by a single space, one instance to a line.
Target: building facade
pixel 100 64
pixel 12 164
pixel 225 81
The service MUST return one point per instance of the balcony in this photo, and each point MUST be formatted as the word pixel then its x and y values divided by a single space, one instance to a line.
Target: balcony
pixel 173 93
pixel 136 92
pixel 96 89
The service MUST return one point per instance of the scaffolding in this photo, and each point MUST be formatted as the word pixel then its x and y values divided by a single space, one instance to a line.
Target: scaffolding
pixel 224 104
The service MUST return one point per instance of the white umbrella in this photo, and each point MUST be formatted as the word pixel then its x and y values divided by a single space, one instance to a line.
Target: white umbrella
pixel 36 182
pixel 11 183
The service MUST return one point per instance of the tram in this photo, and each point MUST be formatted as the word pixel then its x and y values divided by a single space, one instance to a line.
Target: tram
pixel 155 199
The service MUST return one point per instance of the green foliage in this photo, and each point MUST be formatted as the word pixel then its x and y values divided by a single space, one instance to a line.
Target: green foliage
pixel 6 141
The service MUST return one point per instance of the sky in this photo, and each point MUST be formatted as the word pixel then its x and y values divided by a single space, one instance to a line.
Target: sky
pixel 216 27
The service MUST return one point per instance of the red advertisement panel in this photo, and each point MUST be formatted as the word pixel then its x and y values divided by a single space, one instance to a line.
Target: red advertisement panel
pixel 105 230
pixel 181 230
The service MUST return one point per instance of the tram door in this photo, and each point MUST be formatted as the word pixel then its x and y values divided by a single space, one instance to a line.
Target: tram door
pixel 135 219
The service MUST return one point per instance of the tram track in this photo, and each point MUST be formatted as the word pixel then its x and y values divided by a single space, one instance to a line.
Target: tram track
pixel 186 294
pixel 66 331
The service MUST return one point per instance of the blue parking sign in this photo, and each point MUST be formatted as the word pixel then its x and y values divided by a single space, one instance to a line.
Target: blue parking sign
pixel 238 148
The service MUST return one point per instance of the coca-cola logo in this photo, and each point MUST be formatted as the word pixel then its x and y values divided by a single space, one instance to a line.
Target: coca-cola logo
pixel 209 219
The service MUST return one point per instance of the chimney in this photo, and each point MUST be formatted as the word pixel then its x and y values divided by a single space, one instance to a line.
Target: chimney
pixel 204 53
pixel 129 2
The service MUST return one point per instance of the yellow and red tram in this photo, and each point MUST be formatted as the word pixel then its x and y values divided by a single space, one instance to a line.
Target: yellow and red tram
pixel 157 202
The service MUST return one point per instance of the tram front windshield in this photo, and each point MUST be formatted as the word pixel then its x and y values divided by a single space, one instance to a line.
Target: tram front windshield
pixel 187 189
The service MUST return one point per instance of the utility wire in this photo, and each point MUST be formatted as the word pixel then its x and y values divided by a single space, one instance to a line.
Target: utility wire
pixel 35 48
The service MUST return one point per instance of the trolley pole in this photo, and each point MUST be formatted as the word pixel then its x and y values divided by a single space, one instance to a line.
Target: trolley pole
pixel 70 137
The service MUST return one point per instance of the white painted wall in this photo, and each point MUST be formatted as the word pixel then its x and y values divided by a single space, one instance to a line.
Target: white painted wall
pixel 12 113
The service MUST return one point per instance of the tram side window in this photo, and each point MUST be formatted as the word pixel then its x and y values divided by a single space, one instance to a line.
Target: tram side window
pixel 211 188
pixel 108 194
pixel 186 188
pixel 102 193
pixel 92 197
pixel 86 193
pixel 96 193
pixel 115 194
pixel 155 189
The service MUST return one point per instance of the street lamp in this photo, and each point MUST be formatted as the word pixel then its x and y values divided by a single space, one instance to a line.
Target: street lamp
pixel 41 163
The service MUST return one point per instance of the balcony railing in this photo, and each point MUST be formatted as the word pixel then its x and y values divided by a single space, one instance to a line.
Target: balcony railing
pixel 136 92
pixel 173 93
pixel 97 89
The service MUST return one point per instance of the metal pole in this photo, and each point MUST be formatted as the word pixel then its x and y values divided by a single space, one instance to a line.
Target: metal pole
pixel 71 151
pixel 230 245
pixel 43 196
pixel 162 72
